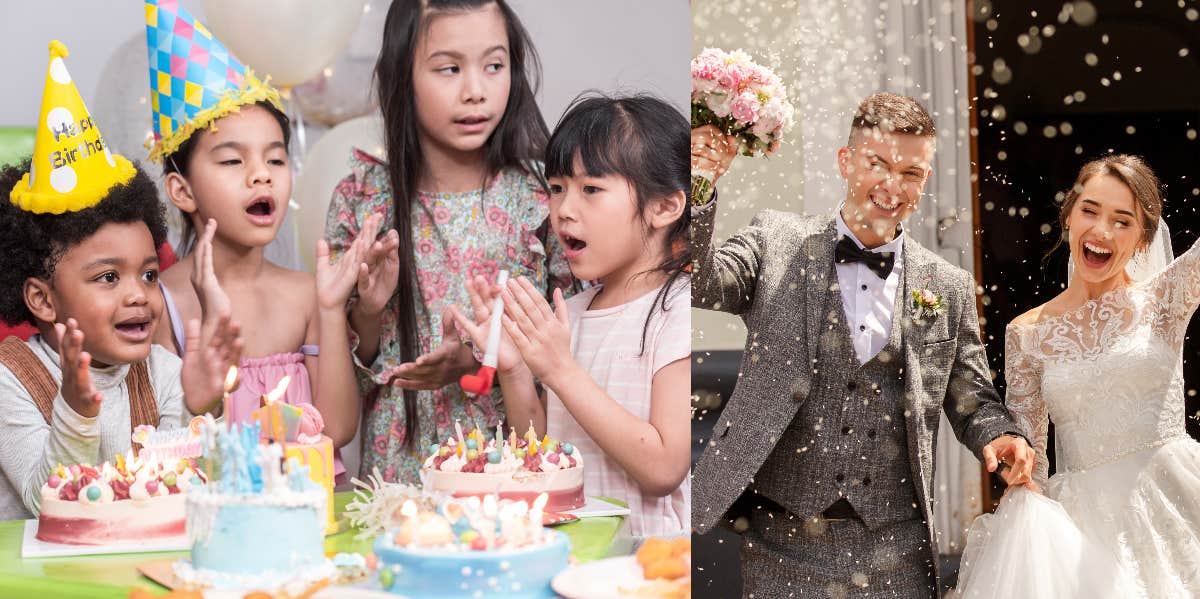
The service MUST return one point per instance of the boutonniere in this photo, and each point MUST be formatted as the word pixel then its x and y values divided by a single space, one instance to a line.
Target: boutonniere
pixel 927 304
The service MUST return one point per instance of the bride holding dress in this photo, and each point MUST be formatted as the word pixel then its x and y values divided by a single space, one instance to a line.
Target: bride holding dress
pixel 1104 361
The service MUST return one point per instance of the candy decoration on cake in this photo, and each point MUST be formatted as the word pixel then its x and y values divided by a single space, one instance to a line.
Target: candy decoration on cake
pixel 480 383
pixel 194 80
pixel 130 501
pixel 471 548
pixel 258 524
pixel 72 167
pixel 515 468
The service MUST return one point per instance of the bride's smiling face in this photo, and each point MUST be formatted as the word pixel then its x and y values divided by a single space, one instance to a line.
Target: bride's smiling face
pixel 1104 228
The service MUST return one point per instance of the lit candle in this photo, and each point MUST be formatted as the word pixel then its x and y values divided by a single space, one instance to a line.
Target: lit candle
pixel 231 377
pixel 409 511
pixel 535 516
pixel 489 520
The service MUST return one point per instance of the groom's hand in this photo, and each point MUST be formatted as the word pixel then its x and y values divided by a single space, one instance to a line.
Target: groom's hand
pixel 712 151
pixel 1015 454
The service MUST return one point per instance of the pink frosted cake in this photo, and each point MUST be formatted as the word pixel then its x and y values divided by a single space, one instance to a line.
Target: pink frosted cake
pixel 134 501
pixel 85 505
pixel 516 469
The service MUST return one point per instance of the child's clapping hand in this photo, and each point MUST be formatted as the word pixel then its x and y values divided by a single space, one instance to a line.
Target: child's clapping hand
pixel 380 271
pixel 542 335
pixel 205 363
pixel 77 387
pixel 483 295
pixel 335 282
pixel 214 303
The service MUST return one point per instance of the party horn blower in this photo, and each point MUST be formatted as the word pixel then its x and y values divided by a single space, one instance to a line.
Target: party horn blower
pixel 481 382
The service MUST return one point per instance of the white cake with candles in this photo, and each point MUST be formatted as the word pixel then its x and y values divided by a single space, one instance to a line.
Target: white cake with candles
pixel 516 468
pixel 471 547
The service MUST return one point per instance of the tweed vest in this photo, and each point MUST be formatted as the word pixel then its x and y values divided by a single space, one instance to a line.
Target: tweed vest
pixel 849 438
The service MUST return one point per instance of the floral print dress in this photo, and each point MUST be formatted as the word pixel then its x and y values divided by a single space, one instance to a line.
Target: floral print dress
pixel 455 236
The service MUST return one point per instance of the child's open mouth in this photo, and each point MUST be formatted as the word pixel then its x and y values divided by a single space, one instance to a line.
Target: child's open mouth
pixel 262 210
pixel 1095 255
pixel 573 245
pixel 134 330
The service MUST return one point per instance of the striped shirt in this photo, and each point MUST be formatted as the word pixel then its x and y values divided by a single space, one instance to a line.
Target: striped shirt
pixel 607 344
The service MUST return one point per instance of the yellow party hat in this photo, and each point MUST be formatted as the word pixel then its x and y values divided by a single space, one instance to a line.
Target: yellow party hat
pixel 72 167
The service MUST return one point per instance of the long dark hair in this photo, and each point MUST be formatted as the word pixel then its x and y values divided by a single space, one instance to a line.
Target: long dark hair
pixel 517 142
pixel 644 140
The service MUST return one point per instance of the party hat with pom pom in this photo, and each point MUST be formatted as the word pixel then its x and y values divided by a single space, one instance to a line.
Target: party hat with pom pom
pixel 72 166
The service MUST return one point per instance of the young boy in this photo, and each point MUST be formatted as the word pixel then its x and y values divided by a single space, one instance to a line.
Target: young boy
pixel 78 260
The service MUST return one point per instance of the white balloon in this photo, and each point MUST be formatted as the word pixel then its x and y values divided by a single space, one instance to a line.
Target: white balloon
pixel 327 163
pixel 290 40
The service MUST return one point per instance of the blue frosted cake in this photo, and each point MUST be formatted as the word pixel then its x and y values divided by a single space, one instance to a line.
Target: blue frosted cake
pixel 469 548
pixel 259 523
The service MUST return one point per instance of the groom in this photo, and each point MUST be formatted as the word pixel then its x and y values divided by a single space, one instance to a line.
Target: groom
pixel 823 457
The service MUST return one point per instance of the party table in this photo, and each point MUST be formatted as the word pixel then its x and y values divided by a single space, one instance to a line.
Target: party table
pixel 101 576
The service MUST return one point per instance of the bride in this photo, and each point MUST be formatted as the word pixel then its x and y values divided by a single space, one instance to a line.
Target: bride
pixel 1103 360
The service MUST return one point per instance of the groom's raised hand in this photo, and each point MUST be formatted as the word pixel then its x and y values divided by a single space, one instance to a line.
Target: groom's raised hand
pixel 1015 454
pixel 712 152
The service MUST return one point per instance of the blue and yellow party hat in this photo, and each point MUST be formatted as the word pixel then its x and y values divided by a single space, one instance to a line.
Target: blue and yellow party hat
pixel 194 79
pixel 72 166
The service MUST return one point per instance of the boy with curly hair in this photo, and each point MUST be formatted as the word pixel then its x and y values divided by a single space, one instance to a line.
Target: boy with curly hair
pixel 78 260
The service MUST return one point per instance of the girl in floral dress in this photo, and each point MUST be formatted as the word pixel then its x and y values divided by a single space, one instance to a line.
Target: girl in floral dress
pixel 462 181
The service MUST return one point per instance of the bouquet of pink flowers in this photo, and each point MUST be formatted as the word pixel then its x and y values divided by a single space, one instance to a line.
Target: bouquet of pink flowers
pixel 741 98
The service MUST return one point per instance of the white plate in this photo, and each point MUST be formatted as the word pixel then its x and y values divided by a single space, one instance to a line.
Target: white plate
pixel 595 507
pixel 31 546
pixel 600 579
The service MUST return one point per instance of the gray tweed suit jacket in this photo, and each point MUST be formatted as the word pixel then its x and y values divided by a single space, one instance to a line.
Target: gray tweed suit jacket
pixel 772 274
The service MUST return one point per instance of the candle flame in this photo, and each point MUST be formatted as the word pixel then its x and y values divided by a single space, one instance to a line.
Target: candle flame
pixel 409 509
pixel 279 389
pixel 231 379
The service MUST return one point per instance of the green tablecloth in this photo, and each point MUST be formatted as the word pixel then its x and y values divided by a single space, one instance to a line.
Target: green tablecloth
pixel 97 576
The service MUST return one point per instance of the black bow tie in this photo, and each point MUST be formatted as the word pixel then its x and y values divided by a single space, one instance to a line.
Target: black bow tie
pixel 880 263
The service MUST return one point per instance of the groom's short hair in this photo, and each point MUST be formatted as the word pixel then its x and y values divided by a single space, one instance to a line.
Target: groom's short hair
pixel 891 113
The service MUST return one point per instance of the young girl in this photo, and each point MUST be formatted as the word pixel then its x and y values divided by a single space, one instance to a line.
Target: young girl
pixel 227 169
pixel 614 358
pixel 462 186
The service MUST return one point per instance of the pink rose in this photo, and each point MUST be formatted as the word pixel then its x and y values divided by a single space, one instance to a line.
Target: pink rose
pixel 745 107
pixel 928 297
pixel 311 422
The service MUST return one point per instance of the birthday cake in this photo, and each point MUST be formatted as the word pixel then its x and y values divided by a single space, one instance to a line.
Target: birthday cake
pixel 471 548
pixel 259 522
pixel 105 505
pixel 135 500
pixel 516 468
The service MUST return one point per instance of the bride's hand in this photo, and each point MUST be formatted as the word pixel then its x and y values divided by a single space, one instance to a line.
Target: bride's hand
pixel 712 151
pixel 1032 486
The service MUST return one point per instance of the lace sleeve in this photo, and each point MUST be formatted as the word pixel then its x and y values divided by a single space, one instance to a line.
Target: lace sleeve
pixel 1176 293
pixel 1023 373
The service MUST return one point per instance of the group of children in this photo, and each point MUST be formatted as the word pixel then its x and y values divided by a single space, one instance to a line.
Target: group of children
pixel 591 221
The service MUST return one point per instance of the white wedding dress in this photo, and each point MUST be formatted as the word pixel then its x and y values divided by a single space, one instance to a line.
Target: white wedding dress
pixel 1110 376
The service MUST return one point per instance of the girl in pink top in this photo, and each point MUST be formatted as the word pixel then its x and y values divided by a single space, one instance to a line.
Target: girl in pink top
pixel 236 173
pixel 613 360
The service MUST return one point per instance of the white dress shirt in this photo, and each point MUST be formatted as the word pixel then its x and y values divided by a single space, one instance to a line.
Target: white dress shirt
pixel 868 300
